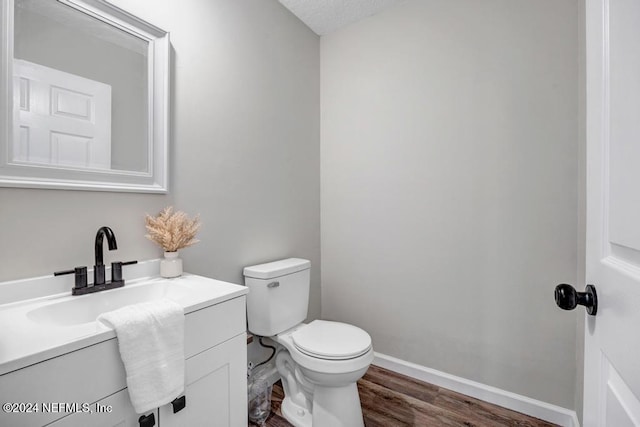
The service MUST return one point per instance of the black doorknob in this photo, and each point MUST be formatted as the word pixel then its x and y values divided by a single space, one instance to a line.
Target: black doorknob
pixel 567 298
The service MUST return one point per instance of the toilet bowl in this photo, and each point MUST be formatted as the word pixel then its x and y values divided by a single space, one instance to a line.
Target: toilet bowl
pixel 319 362
pixel 330 369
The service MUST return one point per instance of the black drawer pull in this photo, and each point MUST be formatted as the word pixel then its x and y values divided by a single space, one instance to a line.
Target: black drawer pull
pixel 147 420
pixel 179 403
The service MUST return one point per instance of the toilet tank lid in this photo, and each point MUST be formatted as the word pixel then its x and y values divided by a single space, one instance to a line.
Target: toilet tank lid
pixel 274 269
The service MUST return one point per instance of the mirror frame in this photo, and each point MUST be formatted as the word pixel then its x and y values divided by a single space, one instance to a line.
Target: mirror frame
pixel 155 180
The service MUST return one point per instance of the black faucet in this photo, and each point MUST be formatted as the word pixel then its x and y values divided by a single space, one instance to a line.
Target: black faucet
pixel 99 282
pixel 98 268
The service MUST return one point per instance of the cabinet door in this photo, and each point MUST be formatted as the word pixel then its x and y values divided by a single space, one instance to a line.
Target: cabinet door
pixel 216 388
pixel 115 410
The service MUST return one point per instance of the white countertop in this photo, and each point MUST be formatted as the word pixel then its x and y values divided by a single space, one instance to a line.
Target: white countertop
pixel 25 339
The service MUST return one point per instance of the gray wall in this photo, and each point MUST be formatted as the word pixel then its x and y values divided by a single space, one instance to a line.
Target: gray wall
pixel 247 99
pixel 245 153
pixel 48 230
pixel 449 165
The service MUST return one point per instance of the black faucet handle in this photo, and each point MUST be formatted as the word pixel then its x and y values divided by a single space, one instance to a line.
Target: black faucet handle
pixel 80 276
pixel 116 270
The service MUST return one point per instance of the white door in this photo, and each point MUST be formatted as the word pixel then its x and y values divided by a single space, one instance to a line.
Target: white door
pixel 60 119
pixel 612 336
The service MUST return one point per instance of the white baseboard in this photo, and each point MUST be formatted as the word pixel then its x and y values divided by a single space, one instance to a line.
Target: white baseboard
pixel 506 399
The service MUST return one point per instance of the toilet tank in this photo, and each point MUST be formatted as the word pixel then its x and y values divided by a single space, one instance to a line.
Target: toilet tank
pixel 278 295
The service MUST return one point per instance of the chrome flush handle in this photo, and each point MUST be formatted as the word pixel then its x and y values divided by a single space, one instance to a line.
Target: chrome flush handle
pixel 273 285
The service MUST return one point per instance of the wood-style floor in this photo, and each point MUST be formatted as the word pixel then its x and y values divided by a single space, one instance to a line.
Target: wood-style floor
pixel 390 399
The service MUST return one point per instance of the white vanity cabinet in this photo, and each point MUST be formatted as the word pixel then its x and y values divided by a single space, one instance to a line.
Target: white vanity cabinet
pixel 216 383
pixel 215 394
pixel 121 414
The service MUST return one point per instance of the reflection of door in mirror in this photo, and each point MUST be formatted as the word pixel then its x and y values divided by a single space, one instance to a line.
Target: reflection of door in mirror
pixel 60 119
pixel 76 65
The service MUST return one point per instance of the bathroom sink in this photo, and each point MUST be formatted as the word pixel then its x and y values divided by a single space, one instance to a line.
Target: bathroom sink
pixel 47 321
pixel 86 308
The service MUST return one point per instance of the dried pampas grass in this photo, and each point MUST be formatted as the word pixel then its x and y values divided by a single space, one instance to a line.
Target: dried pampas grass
pixel 172 230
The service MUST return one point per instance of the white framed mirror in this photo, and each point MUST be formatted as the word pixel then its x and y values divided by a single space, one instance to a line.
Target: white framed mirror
pixel 84 97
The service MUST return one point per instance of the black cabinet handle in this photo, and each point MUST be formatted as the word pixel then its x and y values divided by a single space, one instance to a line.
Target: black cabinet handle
pixel 567 298
pixel 179 403
pixel 147 420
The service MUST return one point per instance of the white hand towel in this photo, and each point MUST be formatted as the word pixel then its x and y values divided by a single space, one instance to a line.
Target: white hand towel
pixel 151 341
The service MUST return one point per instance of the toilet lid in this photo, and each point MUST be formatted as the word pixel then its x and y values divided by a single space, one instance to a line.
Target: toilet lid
pixel 331 340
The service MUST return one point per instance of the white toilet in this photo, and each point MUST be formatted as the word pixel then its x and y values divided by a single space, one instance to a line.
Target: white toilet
pixel 319 362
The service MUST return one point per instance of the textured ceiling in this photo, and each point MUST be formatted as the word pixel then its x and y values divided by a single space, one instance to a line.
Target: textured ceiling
pixel 325 16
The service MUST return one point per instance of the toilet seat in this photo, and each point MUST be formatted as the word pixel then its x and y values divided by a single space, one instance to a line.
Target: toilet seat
pixel 331 340
pixel 318 364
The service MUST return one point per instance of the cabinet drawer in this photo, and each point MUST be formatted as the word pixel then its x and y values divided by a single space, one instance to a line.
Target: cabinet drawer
pixel 82 376
pixel 115 410
pixel 213 325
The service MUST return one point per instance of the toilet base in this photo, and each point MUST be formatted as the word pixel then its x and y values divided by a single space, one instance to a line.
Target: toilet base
pixel 332 407
pixel 337 406
pixel 295 414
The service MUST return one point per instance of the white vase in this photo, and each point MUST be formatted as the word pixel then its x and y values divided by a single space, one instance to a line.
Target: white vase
pixel 171 265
